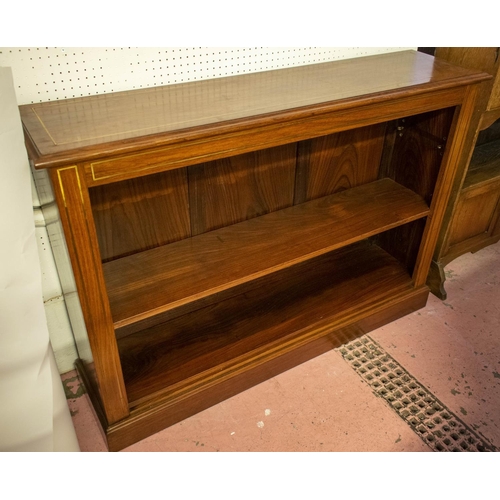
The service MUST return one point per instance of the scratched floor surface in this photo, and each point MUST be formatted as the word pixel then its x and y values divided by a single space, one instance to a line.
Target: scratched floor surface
pixel 450 350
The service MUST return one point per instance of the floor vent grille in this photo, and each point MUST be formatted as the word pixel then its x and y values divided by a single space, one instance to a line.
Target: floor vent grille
pixel 435 424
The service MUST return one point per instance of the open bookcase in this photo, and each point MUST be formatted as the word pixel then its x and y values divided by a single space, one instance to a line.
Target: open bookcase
pixel 226 230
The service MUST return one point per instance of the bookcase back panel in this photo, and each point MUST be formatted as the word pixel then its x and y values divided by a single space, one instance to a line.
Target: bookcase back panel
pixel 142 213
pixel 340 161
pixel 231 190
pixel 153 210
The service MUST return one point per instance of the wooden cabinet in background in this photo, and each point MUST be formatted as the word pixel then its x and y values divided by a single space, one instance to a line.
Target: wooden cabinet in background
pixel 223 231
pixel 472 219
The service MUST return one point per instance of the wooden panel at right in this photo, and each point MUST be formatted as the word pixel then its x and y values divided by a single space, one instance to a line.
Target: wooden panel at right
pixel 412 156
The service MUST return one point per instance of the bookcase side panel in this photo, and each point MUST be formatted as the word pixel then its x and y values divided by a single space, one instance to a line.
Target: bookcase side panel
pixel 76 217
pixel 412 157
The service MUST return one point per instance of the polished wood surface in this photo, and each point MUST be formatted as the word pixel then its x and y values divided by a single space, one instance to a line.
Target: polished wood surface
pixel 235 189
pixel 76 217
pixel 413 156
pixel 201 392
pixel 195 146
pixel 340 161
pixel 296 300
pixel 476 222
pixel 58 126
pixel 88 128
pixel 153 282
pixel 128 215
pixel 223 231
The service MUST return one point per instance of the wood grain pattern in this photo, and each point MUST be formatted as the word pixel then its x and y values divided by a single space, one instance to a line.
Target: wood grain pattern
pixel 99 127
pixel 147 284
pixel 194 146
pixel 76 217
pixel 418 149
pixel 340 161
pixel 476 215
pixel 323 290
pixel 139 214
pixel 450 170
pixel 75 123
pixel 235 189
pixel 403 243
pixel 413 156
pixel 202 392
pixel 494 102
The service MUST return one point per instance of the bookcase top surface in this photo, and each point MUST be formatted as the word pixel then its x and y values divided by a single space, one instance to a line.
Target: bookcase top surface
pixel 159 113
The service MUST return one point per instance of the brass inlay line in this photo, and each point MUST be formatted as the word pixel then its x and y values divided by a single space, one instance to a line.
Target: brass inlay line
pixel 178 125
pixel 43 126
pixel 165 162
pixel 157 165
pixel 61 185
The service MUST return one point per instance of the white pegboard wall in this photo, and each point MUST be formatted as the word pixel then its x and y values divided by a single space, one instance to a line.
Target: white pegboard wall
pixel 51 73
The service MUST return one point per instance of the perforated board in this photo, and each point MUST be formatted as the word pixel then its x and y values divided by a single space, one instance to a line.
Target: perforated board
pixel 50 73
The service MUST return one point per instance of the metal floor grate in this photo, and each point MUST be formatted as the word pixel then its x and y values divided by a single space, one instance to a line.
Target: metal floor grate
pixel 435 424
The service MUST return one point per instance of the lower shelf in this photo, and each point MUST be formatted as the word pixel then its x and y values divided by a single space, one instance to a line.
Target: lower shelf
pixel 298 302
pixel 190 363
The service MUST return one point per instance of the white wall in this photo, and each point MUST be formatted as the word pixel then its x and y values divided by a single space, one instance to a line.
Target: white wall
pixel 49 73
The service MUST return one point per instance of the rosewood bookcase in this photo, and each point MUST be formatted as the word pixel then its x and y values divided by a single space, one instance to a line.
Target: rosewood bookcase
pixel 223 231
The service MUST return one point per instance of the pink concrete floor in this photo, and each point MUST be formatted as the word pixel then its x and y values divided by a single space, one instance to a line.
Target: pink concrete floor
pixel 450 347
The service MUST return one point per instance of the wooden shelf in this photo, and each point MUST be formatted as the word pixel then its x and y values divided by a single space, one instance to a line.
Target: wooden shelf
pixel 152 283
pixel 294 304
